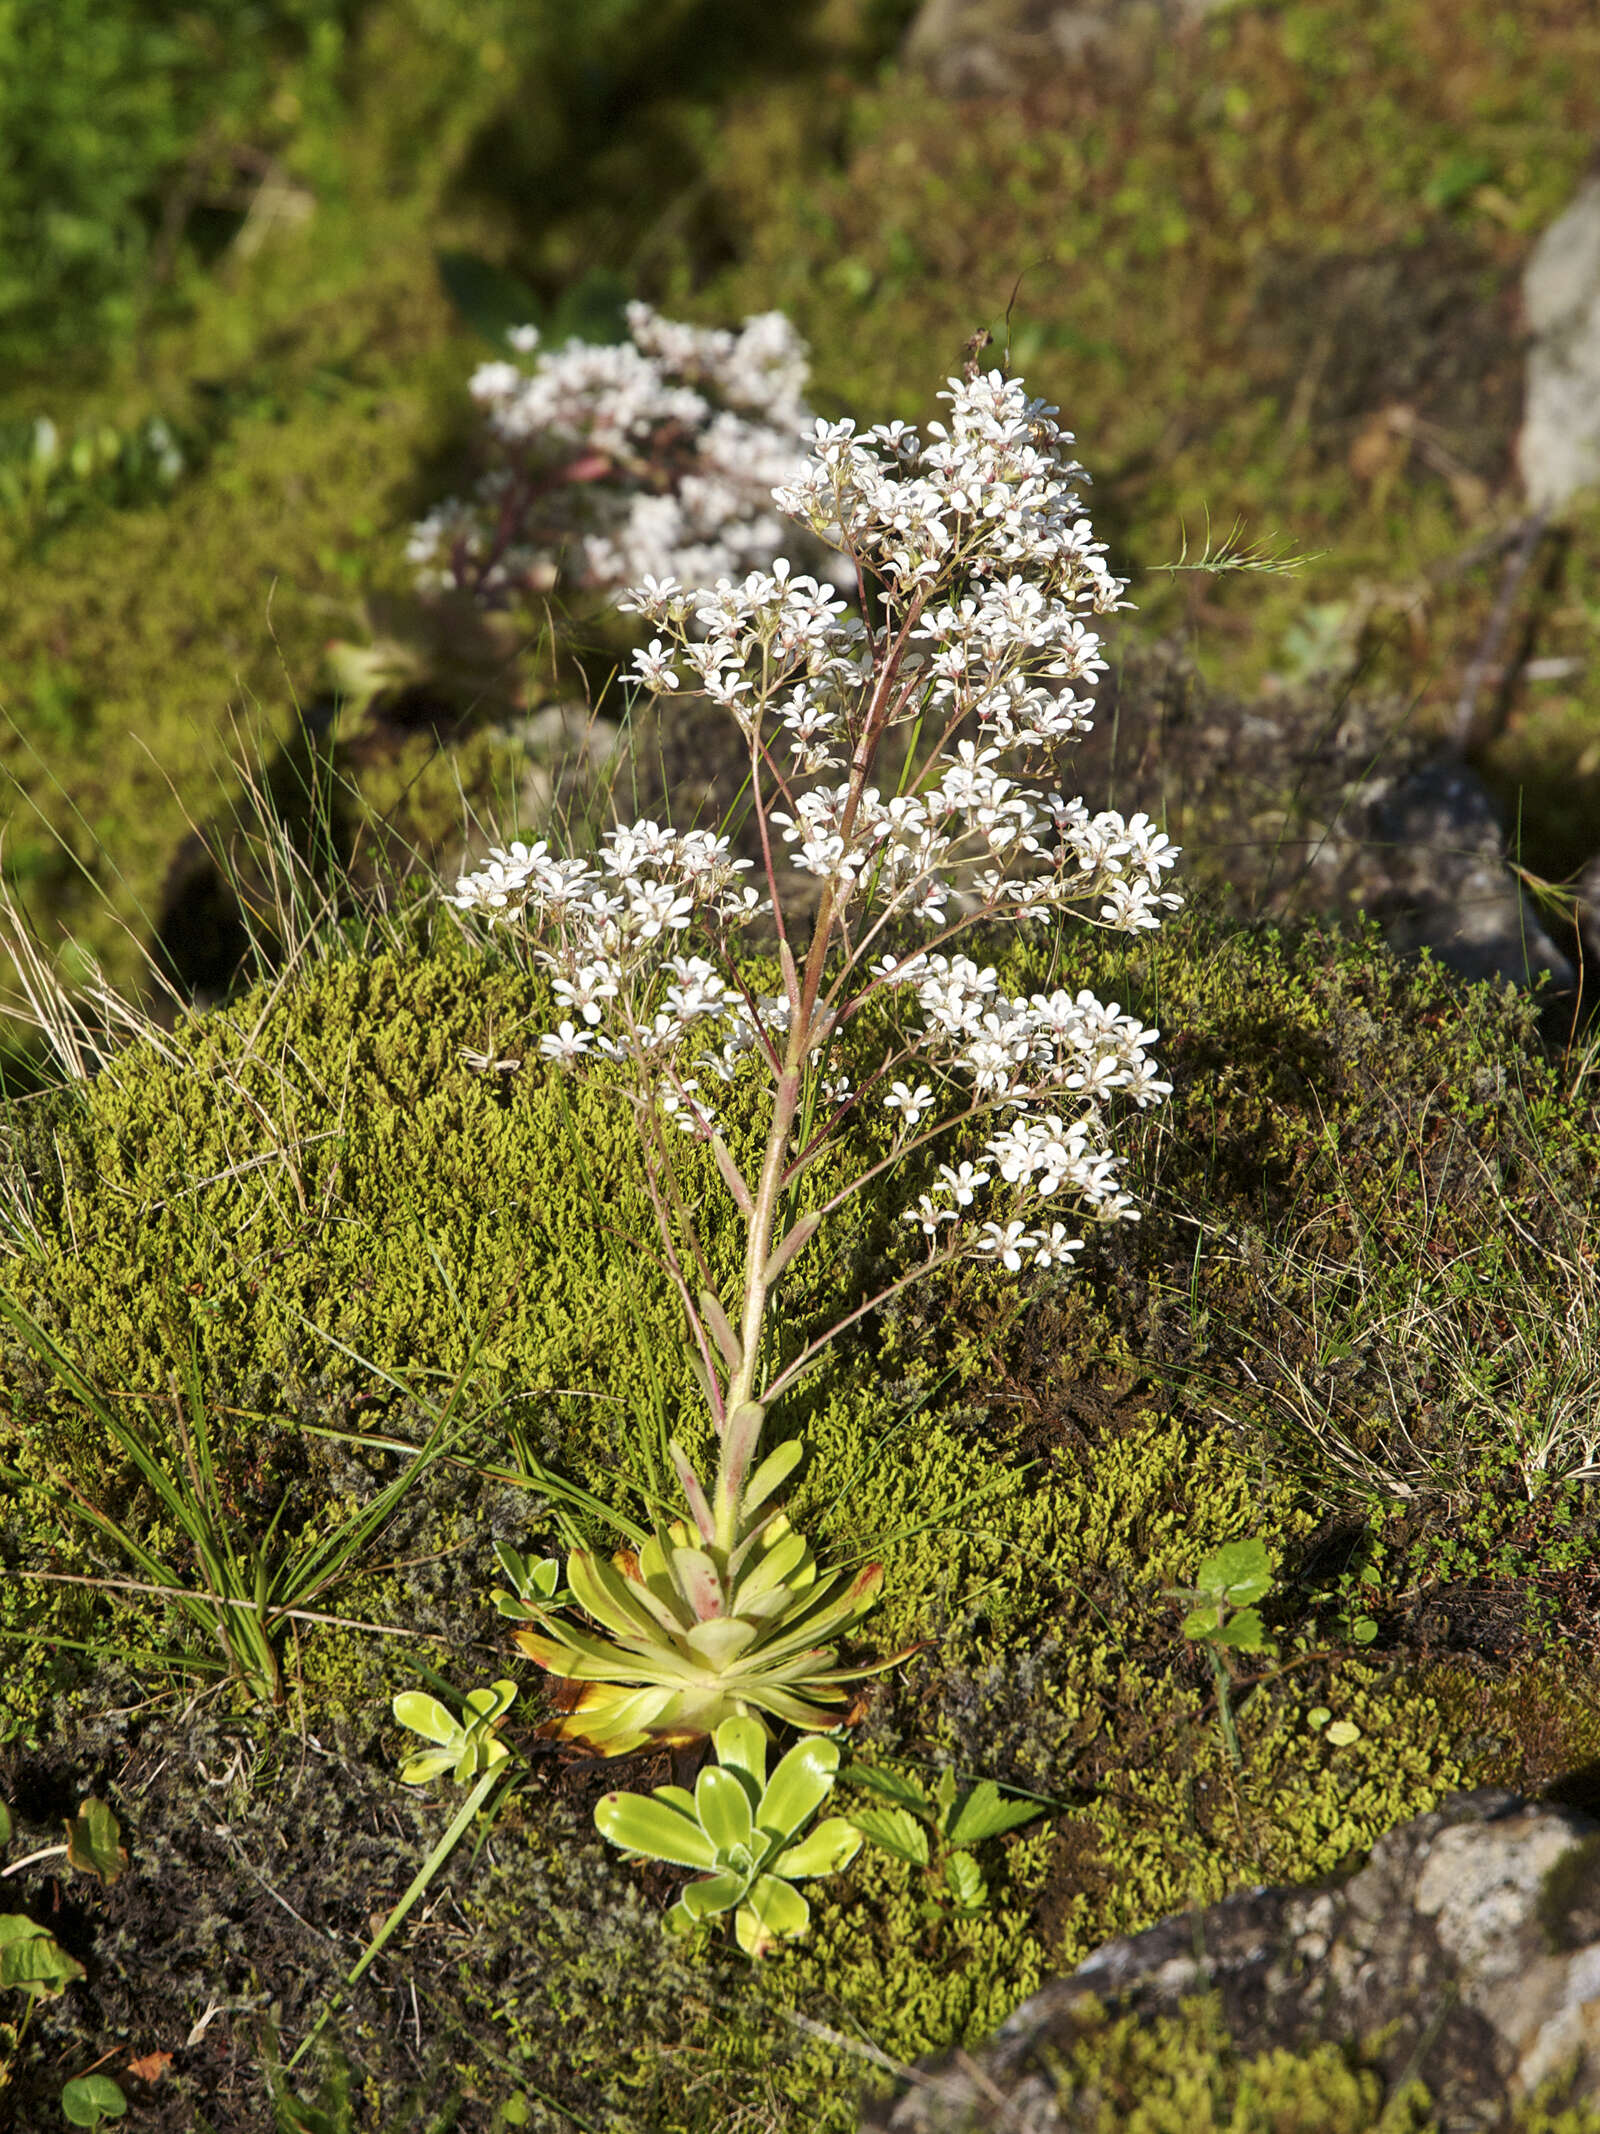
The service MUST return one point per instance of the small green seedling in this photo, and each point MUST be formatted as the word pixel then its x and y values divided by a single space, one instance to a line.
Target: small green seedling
pixel 91 2100
pixel 740 1826
pixel 955 1821
pixel 32 1961
pixel 466 1747
pixel 1223 1618
pixel 534 1586
pixel 94 1842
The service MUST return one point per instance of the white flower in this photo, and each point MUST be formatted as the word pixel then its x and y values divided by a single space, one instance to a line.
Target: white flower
pixel 655 668
pixel 1007 1242
pixel 567 1043
pixel 962 1182
pixel 928 1215
pixel 911 1104
pixel 1055 1246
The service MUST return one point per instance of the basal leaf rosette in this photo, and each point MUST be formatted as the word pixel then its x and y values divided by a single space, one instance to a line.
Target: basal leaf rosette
pixel 698 1633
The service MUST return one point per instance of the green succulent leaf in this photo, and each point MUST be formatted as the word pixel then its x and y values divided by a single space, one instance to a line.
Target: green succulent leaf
pixel 779 1464
pixel 897 1832
pixel 723 1807
pixel 488 1705
pixel 717 1893
pixel 427 1765
pixel 651 1827
pixel 774 1911
pixel 742 1746
pixel 721 1642
pixel 784 1557
pixel 964 1879
pixel 5 1824
pixel 798 1787
pixel 983 1814
pixel 824 1851
pixel 426 1716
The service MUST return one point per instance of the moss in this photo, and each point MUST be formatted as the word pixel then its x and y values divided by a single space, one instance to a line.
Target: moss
pixel 1037 1476
pixel 1183 2075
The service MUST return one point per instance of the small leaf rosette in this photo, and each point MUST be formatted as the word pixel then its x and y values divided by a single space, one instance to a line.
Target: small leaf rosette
pixel 743 1830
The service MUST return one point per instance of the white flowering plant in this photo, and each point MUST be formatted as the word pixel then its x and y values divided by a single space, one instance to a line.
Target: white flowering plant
pixel 656 455
pixel 888 747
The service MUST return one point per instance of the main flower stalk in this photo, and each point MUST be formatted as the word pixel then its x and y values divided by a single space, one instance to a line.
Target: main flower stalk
pixel 974 569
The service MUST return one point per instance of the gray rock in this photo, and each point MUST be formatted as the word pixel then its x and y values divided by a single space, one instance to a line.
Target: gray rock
pixel 998 47
pixel 1559 448
pixel 1447 886
pixel 1468 1946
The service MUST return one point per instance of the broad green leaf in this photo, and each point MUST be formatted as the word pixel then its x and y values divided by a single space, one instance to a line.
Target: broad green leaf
pixel 773 1472
pixel 965 1880
pixel 1244 1632
pixel 678 1797
pixel 5 1824
pixel 1202 1624
pixel 491 1703
pixel 1240 1571
pixel 774 1568
pixel 742 1746
pixel 426 1716
pixel 897 1831
pixel 718 1893
pixel 723 1807
pixel 798 1787
pixel 514 1566
pixel 426 1765
pixel 824 1851
pixel 32 1961
pixel 90 2099
pixel 774 1911
pixel 94 1842
pixel 893 1785
pixel 600 1590
pixel 651 1827
pixel 697 1580
pixel 983 1814
pixel 722 1641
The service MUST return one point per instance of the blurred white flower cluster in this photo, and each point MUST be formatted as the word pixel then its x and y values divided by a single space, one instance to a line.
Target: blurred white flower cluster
pixel 974 570
pixel 654 457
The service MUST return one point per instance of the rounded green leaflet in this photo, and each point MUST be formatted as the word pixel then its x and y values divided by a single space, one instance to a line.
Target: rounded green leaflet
pixel 1240 1570
pixel 742 1746
pixel 723 1807
pixel 774 1911
pixel 32 1961
pixel 798 1787
pixel 426 1716
pixel 653 1828
pixel 718 1893
pixel 964 1879
pixel 90 2099
pixel 823 1851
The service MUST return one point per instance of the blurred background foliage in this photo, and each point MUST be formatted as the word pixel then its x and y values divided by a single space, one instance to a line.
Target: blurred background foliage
pixel 1266 261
